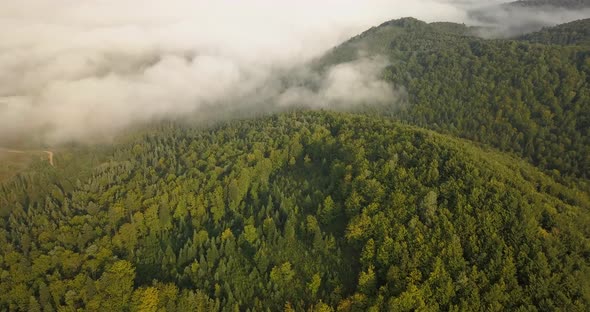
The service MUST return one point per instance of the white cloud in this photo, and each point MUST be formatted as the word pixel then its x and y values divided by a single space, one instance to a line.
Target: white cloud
pixel 72 70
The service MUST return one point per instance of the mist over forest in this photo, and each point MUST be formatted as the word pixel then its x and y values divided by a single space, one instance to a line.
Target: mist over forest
pixel 89 70
pixel 429 155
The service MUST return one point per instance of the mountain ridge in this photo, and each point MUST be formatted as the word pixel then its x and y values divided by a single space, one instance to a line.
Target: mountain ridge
pixel 568 4
pixel 573 33
pixel 427 64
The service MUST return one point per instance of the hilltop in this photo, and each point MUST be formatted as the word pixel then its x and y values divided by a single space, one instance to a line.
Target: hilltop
pixel 525 98
pixel 306 210
pixel 574 33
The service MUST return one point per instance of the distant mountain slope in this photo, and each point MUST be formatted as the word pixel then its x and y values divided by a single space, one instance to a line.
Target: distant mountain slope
pixel 525 98
pixel 309 211
pixel 514 19
pixel 569 4
pixel 577 32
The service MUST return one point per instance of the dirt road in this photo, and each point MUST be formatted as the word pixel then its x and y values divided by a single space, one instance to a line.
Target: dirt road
pixel 49 153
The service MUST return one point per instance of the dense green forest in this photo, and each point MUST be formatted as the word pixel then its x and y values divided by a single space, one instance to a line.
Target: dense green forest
pixel 469 193
pixel 300 211
pixel 526 98
pixel 577 32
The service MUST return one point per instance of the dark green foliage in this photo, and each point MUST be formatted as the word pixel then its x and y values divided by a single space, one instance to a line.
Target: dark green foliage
pixel 574 33
pixel 302 211
pixel 528 99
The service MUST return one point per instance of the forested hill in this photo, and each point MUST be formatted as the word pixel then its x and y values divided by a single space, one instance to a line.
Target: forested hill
pixel 307 211
pixel 574 33
pixel 568 4
pixel 526 98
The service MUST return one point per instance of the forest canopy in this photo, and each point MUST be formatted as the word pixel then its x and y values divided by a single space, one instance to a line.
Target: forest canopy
pixel 525 98
pixel 304 211
pixel 468 193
